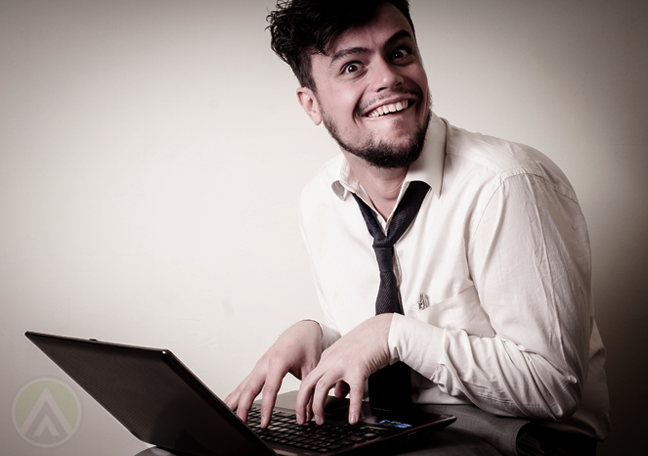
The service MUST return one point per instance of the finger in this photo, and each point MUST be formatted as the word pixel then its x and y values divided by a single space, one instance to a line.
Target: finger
pixel 243 407
pixel 249 390
pixel 309 409
pixel 270 390
pixel 303 403
pixel 232 399
pixel 355 401
pixel 320 394
pixel 306 370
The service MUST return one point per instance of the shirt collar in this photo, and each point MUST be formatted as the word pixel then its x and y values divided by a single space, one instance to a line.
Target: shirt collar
pixel 428 168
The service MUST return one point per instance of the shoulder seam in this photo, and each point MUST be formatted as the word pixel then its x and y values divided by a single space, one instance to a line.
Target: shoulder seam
pixel 508 174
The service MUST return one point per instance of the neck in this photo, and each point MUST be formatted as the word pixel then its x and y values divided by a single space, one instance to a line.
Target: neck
pixel 382 185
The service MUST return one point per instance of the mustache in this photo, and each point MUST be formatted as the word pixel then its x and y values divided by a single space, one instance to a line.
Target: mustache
pixel 364 105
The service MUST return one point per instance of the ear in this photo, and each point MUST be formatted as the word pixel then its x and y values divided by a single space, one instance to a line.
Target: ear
pixel 309 102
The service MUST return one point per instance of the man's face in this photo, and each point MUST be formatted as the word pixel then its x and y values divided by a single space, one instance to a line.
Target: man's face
pixel 372 92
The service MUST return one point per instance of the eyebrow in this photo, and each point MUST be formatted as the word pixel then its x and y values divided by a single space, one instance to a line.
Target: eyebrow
pixel 343 53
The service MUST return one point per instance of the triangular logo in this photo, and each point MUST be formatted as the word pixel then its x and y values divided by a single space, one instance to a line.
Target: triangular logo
pixel 46 424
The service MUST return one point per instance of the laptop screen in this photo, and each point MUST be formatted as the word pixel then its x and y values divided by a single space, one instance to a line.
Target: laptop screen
pixel 152 394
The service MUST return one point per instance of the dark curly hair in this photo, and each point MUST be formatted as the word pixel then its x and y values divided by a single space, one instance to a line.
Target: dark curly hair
pixel 301 28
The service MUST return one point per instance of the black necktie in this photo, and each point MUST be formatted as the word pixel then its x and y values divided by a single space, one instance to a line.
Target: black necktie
pixel 390 387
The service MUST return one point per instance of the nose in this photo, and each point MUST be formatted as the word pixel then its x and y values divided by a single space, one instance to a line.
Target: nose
pixel 385 75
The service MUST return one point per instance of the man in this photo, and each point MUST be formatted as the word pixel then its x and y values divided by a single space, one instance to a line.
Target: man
pixel 492 277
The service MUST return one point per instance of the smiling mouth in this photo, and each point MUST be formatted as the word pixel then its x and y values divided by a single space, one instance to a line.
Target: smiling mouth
pixel 390 108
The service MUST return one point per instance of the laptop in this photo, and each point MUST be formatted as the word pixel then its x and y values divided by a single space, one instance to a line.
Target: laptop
pixel 161 402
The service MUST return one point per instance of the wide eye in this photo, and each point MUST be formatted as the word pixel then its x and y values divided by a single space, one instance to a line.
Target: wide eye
pixel 350 68
pixel 400 53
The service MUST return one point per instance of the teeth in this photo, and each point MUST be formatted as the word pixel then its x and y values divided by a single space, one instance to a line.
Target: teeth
pixel 386 109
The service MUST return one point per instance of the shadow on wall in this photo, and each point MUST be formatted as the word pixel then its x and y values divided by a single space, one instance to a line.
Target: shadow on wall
pixel 621 297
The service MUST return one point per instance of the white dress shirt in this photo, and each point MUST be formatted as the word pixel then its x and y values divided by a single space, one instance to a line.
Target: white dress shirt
pixel 494 276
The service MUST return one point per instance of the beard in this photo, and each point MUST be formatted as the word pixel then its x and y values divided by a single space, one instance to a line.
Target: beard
pixel 384 154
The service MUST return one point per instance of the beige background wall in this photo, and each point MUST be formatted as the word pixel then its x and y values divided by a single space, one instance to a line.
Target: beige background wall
pixel 152 153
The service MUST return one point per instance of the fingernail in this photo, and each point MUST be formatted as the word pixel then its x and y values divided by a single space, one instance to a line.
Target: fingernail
pixel 299 419
pixel 318 419
pixel 353 418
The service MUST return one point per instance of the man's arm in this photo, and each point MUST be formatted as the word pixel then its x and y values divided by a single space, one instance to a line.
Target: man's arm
pixel 530 264
pixel 296 351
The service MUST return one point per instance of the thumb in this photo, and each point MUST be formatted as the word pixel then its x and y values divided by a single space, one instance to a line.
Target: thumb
pixel 341 389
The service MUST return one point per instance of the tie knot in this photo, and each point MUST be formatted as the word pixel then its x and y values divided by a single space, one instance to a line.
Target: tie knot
pixel 401 220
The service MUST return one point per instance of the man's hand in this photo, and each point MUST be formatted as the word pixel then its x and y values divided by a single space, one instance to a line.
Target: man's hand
pixel 297 351
pixel 346 365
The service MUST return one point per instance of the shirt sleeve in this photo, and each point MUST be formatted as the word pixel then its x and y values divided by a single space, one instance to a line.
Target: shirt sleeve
pixel 529 258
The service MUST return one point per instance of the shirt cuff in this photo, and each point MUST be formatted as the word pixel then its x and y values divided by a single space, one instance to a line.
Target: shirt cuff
pixel 329 335
pixel 417 344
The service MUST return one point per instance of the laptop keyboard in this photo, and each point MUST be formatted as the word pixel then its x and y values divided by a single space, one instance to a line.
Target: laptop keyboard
pixel 283 429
